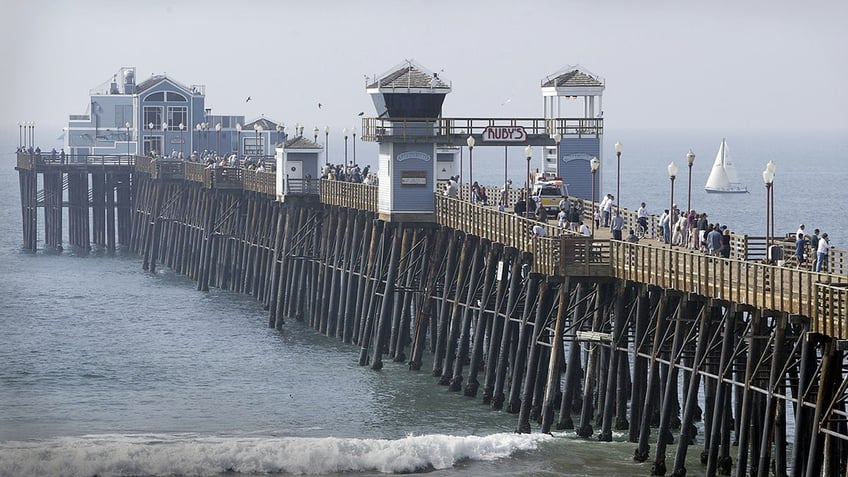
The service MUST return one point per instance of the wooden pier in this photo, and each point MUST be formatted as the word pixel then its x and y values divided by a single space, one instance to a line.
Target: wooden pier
pixel 565 331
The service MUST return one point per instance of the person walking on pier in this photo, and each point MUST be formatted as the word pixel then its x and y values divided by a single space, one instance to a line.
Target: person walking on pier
pixel 665 226
pixel 814 248
pixel 800 245
pixel 642 218
pixel 616 224
pixel 724 251
pixel 606 208
pixel 822 253
pixel 714 241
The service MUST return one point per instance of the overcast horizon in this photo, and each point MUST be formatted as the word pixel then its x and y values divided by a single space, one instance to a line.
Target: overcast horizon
pixel 712 65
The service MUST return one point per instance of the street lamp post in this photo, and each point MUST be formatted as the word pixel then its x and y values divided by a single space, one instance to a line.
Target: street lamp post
pixel 528 153
pixel 127 124
pixel 198 127
pixel 672 174
pixel 768 178
pixel 344 133
pixel 618 176
pixel 470 141
pixel 238 140
pixel 20 135
pixel 315 132
pixel 326 145
pixel 690 160
pixel 218 139
pixel 164 137
pixel 182 126
pixel 771 166
pixel 594 164
pixel 259 149
pixel 353 131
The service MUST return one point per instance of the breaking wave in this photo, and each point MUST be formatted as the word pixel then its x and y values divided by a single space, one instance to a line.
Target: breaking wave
pixel 191 455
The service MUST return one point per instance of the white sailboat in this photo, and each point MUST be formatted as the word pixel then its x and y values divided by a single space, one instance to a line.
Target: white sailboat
pixel 723 176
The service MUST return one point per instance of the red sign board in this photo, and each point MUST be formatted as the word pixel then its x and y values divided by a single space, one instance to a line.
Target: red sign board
pixel 505 134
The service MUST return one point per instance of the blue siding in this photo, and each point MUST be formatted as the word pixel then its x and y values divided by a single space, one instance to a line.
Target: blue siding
pixel 416 198
pixel 574 166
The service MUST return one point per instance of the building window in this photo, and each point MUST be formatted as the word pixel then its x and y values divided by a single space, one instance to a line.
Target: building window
pixel 253 146
pixel 123 115
pixel 177 115
pixel 153 115
pixel 152 143
pixel 176 97
pixel 158 96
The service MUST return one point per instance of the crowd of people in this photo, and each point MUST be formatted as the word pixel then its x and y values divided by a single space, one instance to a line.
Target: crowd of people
pixel 817 246
pixel 690 229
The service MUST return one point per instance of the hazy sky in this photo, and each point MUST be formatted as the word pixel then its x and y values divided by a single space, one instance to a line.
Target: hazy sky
pixel 667 64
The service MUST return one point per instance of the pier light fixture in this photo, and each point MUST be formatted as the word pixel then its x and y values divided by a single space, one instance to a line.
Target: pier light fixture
pixel 353 133
pixel 690 160
pixel 199 127
pixel 470 141
pixel 594 165
pixel 260 150
pixel 238 140
pixel 618 147
pixel 218 128
pixel 770 165
pixel 344 133
pixel 164 127
pixel 182 127
pixel 768 180
pixel 315 132
pixel 528 153
pixel 127 124
pixel 150 125
pixel 672 174
pixel 326 145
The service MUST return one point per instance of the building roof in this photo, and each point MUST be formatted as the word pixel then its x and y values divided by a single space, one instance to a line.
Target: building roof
pixel 267 125
pixel 156 79
pixel 573 76
pixel 409 75
pixel 302 142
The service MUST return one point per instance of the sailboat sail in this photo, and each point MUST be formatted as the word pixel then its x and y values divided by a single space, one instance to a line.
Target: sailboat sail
pixel 723 176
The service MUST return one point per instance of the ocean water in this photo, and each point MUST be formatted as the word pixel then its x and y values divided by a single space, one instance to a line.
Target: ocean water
pixel 109 370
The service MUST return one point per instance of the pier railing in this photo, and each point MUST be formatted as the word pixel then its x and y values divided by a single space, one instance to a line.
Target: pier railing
pixel 506 228
pixel 352 195
pixel 745 282
pixel 262 182
pixel 40 161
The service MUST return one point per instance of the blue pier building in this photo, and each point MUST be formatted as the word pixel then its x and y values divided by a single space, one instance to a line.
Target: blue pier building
pixel 163 116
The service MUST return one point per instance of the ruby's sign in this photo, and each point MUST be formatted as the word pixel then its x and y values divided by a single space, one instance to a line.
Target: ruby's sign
pixel 505 134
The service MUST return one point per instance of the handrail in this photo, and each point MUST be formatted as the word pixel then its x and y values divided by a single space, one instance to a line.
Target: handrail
pixel 745 282
pixel 28 161
pixel 352 195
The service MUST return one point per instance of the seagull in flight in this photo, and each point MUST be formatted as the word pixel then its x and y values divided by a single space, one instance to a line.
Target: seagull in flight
pixel 319 105
pixel 361 113
pixel 506 101
pixel 248 99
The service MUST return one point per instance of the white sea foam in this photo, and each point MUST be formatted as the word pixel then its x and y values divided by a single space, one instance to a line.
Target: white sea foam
pixel 189 455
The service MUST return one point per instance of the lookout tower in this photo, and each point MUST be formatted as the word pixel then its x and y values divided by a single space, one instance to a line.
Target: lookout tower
pixel 575 94
pixel 408 100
